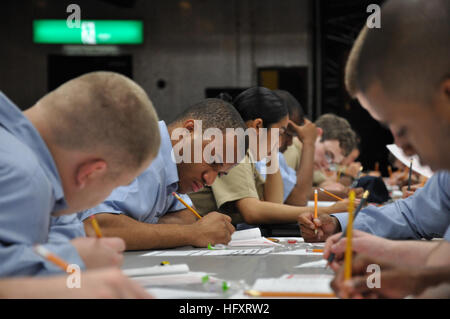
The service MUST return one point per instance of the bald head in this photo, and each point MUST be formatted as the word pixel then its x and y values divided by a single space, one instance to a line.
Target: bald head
pixel 408 56
pixel 103 112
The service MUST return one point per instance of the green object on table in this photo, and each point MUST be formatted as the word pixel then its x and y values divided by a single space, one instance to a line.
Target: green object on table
pixel 210 247
pixel 205 279
pixel 225 286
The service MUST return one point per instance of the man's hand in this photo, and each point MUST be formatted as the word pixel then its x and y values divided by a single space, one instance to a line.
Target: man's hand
pixel 96 284
pixel 353 169
pixel 407 193
pixel 214 228
pixel 362 242
pixel 359 192
pixel 306 133
pixel 326 226
pixel 395 281
pixel 341 206
pixel 100 252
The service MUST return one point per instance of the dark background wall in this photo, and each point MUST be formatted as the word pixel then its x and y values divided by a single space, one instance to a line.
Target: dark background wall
pixel 188 45
pixel 195 47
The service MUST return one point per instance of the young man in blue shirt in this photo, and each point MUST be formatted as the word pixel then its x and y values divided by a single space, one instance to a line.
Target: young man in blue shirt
pixel 146 214
pixel 64 154
pixel 408 88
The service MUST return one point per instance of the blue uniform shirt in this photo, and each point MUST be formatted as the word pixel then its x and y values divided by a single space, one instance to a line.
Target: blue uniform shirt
pixel 30 190
pixel 149 196
pixel 288 174
pixel 426 214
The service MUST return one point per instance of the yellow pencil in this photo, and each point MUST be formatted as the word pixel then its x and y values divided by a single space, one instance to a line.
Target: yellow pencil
pixel 187 206
pixel 348 251
pixel 96 226
pixel 338 177
pixel 314 250
pixel 45 253
pixel 330 194
pixel 390 170
pixel 315 208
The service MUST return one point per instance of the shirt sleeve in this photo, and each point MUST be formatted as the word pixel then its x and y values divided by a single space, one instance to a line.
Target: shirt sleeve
pixel 66 227
pixel 176 205
pixel 288 175
pixel 447 234
pixel 238 184
pixel 25 206
pixel 426 214
pixel 122 200
pixel 293 155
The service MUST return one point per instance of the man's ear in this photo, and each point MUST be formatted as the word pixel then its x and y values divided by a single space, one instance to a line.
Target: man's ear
pixel 442 102
pixel 319 132
pixel 89 171
pixel 189 125
pixel 256 123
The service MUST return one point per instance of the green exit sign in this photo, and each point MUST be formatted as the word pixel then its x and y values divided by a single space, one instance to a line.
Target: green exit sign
pixel 90 32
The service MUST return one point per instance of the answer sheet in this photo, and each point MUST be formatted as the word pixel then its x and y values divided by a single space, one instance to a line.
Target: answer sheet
pixel 157 270
pixel 170 293
pixel 322 263
pixel 295 283
pixel 171 280
pixel 208 252
pixel 416 167
pixel 297 252
pixel 250 237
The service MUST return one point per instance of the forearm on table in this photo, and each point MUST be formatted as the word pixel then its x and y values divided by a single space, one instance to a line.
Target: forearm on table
pixel 255 211
pixel 138 235
pixel 430 277
pixel 440 254
pixel 182 217
pixel 409 252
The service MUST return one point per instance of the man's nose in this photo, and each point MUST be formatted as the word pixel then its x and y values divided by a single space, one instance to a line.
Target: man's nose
pixel 210 177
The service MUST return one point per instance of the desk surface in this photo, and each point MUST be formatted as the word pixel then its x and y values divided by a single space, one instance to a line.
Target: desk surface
pixel 234 268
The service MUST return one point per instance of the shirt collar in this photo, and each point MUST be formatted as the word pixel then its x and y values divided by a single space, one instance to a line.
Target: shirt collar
pixel 165 150
pixel 13 120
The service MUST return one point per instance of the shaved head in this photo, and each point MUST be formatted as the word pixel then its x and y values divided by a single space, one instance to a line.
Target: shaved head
pixel 400 73
pixel 104 112
pixel 409 56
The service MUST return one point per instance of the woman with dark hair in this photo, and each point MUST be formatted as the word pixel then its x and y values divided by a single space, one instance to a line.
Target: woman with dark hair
pixel 242 193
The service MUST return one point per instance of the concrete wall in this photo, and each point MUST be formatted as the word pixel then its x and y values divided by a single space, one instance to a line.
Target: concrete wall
pixel 190 44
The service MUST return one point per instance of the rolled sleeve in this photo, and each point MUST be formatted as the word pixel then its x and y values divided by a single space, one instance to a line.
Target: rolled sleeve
pixel 66 227
pixel 426 214
pixel 288 175
pixel 105 207
pixel 447 234
pixel 342 219
pixel 177 205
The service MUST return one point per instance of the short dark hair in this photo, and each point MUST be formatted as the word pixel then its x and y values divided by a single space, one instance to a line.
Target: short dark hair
pixel 292 104
pixel 260 102
pixel 214 113
pixel 408 56
pixel 337 128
